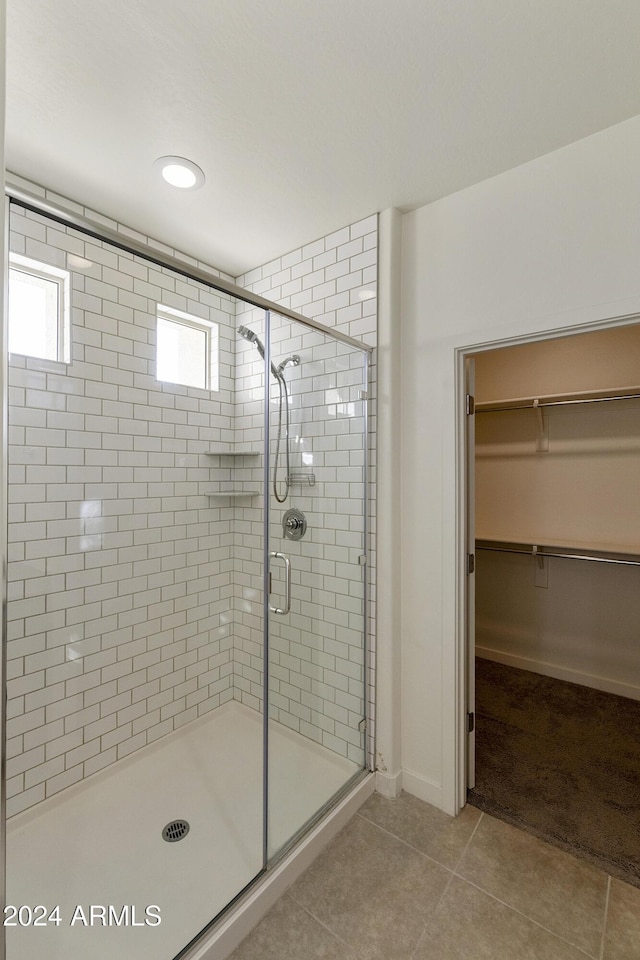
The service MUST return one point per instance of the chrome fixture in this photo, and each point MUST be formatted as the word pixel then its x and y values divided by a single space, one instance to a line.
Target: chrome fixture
pixel 282 611
pixel 278 373
pixel 294 524
pixel 253 338
pixel 175 830
pixel 294 360
pixel 303 477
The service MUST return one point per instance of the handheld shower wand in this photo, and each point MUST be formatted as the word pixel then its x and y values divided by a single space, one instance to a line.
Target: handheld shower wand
pixel 253 338
pixel 278 373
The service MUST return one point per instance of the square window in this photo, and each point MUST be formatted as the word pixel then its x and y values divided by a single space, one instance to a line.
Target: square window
pixel 39 309
pixel 187 349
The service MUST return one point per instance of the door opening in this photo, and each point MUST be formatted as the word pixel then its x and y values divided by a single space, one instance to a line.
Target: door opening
pixel 552 466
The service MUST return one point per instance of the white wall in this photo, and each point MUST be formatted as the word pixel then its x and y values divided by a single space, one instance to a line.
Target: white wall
pixel 550 245
pixel 389 517
pixel 3 479
pixel 581 491
pixel 577 621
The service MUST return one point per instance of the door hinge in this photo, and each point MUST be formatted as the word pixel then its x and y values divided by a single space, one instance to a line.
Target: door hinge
pixel 471 405
pixel 471 563
pixel 471 722
pixel 363 395
pixel 362 726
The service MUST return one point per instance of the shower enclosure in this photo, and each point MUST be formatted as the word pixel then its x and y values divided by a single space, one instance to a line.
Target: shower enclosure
pixel 185 635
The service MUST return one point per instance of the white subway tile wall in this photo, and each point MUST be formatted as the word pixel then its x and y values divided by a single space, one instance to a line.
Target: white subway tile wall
pixel 316 652
pixel 135 600
pixel 120 612
pixel 316 662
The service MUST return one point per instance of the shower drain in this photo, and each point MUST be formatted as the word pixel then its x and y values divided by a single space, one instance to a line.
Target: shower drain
pixel 175 830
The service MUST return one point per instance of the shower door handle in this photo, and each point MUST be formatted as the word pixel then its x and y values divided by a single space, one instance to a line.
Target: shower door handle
pixel 282 611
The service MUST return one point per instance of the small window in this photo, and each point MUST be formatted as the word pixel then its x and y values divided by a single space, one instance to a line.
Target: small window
pixel 187 349
pixel 39 309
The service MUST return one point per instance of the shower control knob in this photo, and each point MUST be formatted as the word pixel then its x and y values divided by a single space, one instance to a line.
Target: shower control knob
pixel 294 524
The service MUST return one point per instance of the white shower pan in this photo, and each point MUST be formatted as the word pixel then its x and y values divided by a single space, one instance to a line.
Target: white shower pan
pixel 100 843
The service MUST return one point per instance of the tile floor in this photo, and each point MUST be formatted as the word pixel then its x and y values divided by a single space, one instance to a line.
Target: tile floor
pixel 403 881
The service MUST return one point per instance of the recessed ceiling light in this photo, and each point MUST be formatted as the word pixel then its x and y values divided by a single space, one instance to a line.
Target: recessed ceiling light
pixel 180 172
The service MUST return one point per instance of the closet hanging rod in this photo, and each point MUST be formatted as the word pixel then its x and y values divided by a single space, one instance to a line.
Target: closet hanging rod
pixel 526 404
pixel 534 552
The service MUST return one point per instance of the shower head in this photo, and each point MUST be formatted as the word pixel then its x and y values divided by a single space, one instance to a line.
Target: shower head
pixel 294 360
pixel 253 338
pixel 247 334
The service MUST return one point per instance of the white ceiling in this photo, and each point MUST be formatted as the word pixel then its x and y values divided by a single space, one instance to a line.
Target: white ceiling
pixel 304 116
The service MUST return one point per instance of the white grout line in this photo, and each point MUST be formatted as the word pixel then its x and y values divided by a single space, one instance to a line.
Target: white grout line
pixel 515 909
pixel 473 833
pixel 415 850
pixel 429 922
pixel 537 923
pixel 454 873
pixel 606 917
pixel 335 936
pixel 449 870
pixel 405 842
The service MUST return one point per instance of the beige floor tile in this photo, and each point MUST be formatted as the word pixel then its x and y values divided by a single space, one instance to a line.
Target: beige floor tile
pixel 622 939
pixel 372 891
pixel 423 826
pixel 563 894
pixel 289 933
pixel 470 924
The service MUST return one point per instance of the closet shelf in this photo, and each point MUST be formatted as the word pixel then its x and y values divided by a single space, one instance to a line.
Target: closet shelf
pixel 558 399
pixel 564 550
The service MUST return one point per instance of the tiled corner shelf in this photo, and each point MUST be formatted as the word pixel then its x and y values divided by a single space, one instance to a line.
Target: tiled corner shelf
pixel 233 453
pixel 224 494
pixel 233 493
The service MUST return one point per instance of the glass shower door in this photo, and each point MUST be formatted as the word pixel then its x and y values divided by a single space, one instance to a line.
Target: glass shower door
pixel 135 760
pixel 316 574
pixel 151 500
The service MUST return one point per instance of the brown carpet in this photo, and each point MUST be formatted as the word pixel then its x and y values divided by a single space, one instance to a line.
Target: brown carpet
pixel 561 761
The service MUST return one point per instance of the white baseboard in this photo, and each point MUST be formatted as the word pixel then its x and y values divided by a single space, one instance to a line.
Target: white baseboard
pixel 560 673
pixel 422 788
pixel 389 785
pixel 226 936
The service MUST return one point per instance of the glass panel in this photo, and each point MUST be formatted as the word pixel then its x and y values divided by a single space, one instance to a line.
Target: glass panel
pixel 134 622
pixel 316 537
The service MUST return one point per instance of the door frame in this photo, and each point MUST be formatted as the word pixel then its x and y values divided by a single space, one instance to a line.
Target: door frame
pixel 464 694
